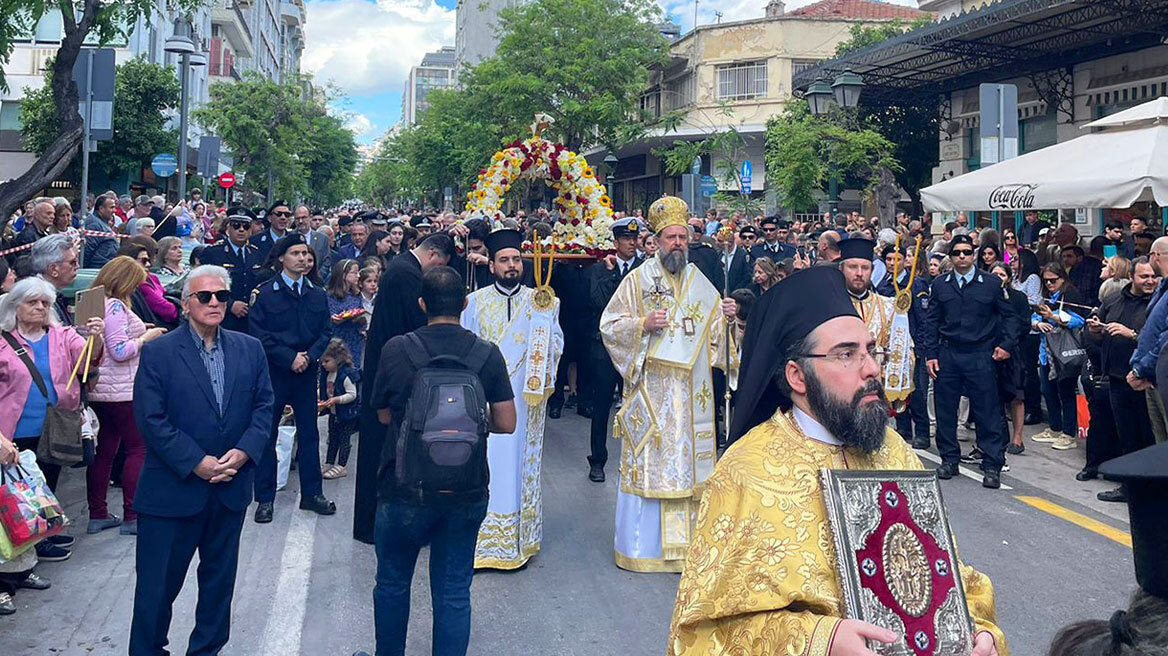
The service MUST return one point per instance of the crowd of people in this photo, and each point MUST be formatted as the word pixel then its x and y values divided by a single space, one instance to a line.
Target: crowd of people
pixel 325 311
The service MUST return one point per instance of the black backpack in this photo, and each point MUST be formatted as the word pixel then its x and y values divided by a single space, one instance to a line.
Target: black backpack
pixel 442 447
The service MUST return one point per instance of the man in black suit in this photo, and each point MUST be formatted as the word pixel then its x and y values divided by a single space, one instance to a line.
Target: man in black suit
pixel 735 260
pixel 705 258
pixel 604 278
pixel 203 402
pixel 395 312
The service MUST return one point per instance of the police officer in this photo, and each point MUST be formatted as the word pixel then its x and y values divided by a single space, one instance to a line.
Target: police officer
pixel 916 415
pixel 290 317
pixel 969 327
pixel 604 278
pixel 774 240
pixel 279 216
pixel 242 261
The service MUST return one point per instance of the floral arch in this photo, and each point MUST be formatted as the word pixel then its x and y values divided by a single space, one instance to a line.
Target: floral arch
pixel 585 210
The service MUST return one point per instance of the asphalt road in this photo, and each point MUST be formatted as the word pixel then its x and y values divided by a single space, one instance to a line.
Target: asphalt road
pixel 304 587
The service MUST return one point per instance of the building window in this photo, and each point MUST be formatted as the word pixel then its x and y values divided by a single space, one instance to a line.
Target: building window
pixel 651 103
pixel 742 81
pixel 679 92
pixel 800 65
pixel 1038 132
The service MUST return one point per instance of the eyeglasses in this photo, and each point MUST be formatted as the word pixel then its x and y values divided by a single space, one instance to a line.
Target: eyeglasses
pixel 961 252
pixel 221 295
pixel 239 225
pixel 770 229
pixel 282 213
pixel 850 356
pixel 1051 281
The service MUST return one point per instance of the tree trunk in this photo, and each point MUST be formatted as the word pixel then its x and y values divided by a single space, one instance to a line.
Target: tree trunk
pixel 62 151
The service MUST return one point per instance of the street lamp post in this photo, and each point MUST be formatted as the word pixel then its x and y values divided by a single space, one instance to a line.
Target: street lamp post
pixel 183 45
pixel 844 91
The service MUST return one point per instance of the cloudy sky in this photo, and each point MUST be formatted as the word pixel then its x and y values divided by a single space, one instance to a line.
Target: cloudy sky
pixel 366 47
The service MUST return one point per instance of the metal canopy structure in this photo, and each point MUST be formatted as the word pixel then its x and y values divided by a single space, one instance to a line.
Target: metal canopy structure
pixel 1003 40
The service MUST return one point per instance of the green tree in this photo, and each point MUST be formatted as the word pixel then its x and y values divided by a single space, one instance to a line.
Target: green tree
pixel 912 127
pixel 96 20
pixel 282 131
pixel 726 148
pixel 143 92
pixel 804 152
pixel 583 62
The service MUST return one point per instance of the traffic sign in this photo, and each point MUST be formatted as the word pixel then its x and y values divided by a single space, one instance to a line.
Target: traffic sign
pixel 696 167
pixel 746 186
pixel 747 170
pixel 164 165
pixel 227 180
pixel 708 186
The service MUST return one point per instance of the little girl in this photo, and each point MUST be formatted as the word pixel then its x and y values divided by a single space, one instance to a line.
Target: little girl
pixel 338 395
pixel 368 284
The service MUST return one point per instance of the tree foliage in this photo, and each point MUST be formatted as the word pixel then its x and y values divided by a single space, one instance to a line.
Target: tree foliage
pixel 804 152
pixel 911 127
pixel 143 92
pixel 726 148
pixel 282 130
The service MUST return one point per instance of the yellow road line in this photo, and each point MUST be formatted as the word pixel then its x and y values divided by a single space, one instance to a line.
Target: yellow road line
pixel 1078 519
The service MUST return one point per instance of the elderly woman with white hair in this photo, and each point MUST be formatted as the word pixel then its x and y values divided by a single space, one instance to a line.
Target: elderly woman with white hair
pixel 37 356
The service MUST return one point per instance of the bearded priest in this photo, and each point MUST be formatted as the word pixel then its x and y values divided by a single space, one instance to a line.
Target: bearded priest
pixel 760 577
pixel 524 323
pixel 663 328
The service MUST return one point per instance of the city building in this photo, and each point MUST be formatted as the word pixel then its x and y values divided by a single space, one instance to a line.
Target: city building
pixel 435 72
pixel 1072 63
pixel 744 67
pixel 475 25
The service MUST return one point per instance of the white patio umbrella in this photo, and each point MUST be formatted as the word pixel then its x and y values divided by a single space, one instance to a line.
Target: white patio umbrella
pixel 1125 162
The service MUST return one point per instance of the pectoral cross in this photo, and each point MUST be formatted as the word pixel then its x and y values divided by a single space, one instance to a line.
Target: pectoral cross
pixel 658 293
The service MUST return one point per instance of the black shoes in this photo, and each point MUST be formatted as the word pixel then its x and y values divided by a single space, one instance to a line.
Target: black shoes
pixel 34 582
pixel 596 473
pixel 1118 495
pixel 584 410
pixel 1015 449
pixel 570 402
pixel 6 605
pixel 947 471
pixel 1087 474
pixel 61 540
pixel 318 504
pixel 920 443
pixel 1032 418
pixel 991 479
pixel 263 513
pixel 51 553
pixel 554 413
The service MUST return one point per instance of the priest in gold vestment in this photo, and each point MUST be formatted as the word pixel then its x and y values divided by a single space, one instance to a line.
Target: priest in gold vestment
pixel 662 328
pixel 760 576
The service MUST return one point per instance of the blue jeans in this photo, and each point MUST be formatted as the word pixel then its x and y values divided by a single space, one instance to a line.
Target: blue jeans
pixel 402 529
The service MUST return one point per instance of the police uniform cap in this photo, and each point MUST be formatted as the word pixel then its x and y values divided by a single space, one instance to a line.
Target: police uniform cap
pixel 239 213
pixel 769 220
pixel 1144 475
pixel 959 240
pixel 344 220
pixel 284 243
pixel 421 222
pixel 626 227
pixel 748 230
pixel 856 247
pixel 500 240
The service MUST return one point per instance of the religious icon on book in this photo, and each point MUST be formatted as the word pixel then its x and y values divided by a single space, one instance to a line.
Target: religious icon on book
pixel 897 561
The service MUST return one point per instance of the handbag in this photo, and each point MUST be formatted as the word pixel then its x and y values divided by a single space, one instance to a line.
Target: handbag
pixel 1064 348
pixel 60 442
pixel 29 511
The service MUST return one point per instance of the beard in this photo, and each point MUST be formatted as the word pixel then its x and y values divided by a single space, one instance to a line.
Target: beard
pixel 673 261
pixel 509 280
pixel 860 426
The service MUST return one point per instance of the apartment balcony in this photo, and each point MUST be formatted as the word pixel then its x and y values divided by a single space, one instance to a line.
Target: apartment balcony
pixel 292 12
pixel 228 15
pixel 223 70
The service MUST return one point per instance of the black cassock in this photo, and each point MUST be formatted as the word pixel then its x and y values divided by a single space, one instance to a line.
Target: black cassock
pixel 395 312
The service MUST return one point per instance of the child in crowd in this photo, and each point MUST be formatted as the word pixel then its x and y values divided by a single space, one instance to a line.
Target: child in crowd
pixel 368 285
pixel 338 397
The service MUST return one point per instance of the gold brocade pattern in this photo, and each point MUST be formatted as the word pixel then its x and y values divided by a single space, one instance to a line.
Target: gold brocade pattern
pixel 760 575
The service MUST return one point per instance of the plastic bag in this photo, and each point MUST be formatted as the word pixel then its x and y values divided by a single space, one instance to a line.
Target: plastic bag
pixel 284 441
pixel 29 511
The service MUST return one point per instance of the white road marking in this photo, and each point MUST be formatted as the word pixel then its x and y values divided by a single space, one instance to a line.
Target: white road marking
pixel 927 455
pixel 286 619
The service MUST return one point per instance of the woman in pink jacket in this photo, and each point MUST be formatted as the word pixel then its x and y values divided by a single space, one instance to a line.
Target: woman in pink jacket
pixel 111 396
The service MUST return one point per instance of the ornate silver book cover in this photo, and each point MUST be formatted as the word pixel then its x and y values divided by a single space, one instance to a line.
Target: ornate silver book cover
pixel 896 559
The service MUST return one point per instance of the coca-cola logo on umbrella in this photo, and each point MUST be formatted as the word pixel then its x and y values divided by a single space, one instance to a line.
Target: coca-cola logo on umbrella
pixel 1013 196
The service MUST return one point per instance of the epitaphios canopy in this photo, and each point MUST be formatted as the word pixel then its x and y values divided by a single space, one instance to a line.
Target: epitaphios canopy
pixel 1125 162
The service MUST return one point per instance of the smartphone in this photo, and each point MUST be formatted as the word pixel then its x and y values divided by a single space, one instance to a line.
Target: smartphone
pixel 802 251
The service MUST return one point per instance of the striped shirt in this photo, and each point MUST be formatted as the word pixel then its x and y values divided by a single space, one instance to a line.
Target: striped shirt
pixel 213 361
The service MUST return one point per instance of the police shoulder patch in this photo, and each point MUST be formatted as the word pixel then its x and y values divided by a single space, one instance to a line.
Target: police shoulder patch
pixel 255 292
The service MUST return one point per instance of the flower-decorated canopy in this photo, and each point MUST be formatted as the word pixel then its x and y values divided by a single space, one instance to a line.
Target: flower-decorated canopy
pixel 585 224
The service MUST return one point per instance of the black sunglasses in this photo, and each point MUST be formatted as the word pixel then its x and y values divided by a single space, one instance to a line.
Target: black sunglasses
pixel 282 213
pixel 239 225
pixel 1051 281
pixel 205 297
pixel 961 252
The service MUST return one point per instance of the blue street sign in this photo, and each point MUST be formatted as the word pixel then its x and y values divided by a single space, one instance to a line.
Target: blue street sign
pixel 747 170
pixel 708 186
pixel 164 165
pixel 746 186
pixel 696 167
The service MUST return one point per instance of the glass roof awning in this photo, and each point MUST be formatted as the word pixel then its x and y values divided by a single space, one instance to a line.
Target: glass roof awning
pixel 1006 39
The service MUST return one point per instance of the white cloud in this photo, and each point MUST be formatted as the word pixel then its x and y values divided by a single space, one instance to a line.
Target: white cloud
pixel 368 48
pixel 359 124
pixel 733 10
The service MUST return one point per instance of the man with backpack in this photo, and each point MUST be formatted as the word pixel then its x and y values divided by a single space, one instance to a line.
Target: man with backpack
pixel 440 391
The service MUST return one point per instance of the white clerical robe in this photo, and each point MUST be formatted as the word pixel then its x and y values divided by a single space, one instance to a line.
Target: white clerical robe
pixel 666 421
pixel 531 342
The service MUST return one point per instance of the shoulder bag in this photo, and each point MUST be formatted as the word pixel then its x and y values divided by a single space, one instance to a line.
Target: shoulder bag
pixel 60 442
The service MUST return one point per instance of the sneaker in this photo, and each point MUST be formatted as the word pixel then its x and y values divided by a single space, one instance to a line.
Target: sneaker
pixel 1065 443
pixel 62 540
pixel 1047 436
pixel 1015 449
pixel 1118 495
pixel 8 608
pixel 974 456
pixel 51 553
pixel 34 582
pixel 1005 466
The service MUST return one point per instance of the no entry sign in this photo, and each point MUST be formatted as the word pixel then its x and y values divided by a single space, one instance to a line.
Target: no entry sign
pixel 227 180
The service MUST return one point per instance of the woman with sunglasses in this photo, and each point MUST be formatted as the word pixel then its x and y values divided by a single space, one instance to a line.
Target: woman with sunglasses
pixel 1009 245
pixel 149 300
pixel 1059 310
pixel 111 395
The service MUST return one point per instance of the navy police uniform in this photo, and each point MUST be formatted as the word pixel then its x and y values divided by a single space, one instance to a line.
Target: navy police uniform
pixel 287 322
pixel 966 321
pixel 245 266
